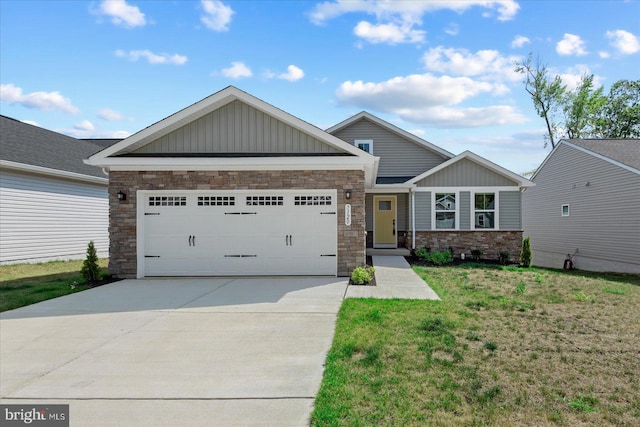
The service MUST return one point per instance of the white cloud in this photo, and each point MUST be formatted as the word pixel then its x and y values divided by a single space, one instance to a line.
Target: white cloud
pixel 573 75
pixel 79 132
pixel 604 54
pixel 11 94
pixel 109 114
pixel 624 41
pixel 520 41
pixel 84 125
pixel 406 10
pixel 217 15
pixel 388 33
pixel 293 74
pixel 31 122
pixel 152 58
pixel 452 29
pixel 488 64
pixel 237 70
pixel 571 44
pixel 121 13
pixel 428 100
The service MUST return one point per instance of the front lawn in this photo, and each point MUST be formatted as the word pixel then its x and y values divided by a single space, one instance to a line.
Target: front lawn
pixel 505 346
pixel 25 284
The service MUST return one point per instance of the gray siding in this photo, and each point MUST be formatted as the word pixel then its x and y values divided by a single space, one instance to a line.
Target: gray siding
pixel 236 128
pixel 509 210
pixel 465 210
pixel 604 221
pixel 398 156
pixel 465 173
pixel 45 218
pixel 423 211
pixel 402 207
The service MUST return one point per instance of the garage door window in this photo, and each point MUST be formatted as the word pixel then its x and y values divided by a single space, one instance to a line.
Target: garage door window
pixel 216 201
pixel 312 201
pixel 265 200
pixel 167 201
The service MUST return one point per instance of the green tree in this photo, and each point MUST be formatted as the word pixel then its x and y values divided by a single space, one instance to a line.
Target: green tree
pixel 90 269
pixel 525 253
pixel 620 115
pixel 582 108
pixel 547 94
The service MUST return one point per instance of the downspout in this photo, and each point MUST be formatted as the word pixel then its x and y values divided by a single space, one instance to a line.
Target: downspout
pixel 413 218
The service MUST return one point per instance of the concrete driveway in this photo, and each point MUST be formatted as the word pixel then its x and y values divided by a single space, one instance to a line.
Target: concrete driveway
pixel 197 351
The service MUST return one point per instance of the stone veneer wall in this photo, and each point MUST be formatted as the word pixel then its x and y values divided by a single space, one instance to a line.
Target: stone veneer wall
pixel 122 214
pixel 489 242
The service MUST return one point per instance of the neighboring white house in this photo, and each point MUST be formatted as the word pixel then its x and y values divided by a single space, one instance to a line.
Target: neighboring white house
pixel 51 203
pixel 586 204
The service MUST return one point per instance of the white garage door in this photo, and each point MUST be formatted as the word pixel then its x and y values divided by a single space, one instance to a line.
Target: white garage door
pixel 229 233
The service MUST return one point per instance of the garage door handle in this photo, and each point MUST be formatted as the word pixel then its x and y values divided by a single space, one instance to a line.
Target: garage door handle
pixel 290 240
pixel 194 240
pixel 328 255
pixel 327 213
pixel 189 240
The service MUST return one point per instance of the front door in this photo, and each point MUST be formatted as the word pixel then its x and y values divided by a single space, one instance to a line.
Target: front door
pixel 384 222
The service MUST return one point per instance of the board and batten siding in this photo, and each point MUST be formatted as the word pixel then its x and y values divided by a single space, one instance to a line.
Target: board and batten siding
pixel 44 218
pixel 402 210
pixel 464 204
pixel 237 128
pixel 423 210
pixel 604 221
pixel 398 156
pixel 465 173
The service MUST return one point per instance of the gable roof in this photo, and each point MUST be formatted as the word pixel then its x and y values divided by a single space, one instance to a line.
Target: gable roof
pixel 392 128
pixel 521 181
pixel 27 147
pixel 625 151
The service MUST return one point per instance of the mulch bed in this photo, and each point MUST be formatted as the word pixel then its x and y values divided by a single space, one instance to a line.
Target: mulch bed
pixel 373 279
pixel 414 260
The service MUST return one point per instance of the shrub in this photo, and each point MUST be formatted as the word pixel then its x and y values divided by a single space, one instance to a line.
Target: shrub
pixel 525 254
pixel 503 257
pixel 90 269
pixel 423 253
pixel 362 275
pixel 476 254
pixel 441 258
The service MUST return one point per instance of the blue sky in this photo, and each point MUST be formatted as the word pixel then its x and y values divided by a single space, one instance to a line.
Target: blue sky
pixel 442 70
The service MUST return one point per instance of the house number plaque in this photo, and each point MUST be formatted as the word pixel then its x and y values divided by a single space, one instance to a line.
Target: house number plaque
pixel 347 214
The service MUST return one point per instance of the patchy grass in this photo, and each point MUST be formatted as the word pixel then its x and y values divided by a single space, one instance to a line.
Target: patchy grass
pixel 489 354
pixel 25 284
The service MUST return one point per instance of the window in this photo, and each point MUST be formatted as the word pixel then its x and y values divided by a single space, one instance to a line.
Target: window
pixel 565 210
pixel 485 210
pixel 216 201
pixel 384 205
pixel 312 201
pixel 265 200
pixel 167 201
pixel 364 144
pixel 445 207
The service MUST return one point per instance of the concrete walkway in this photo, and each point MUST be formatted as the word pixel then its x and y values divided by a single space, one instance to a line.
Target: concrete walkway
pixel 175 352
pixel 394 279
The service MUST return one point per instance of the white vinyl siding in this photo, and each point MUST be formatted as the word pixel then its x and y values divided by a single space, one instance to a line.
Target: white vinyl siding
pixel 44 218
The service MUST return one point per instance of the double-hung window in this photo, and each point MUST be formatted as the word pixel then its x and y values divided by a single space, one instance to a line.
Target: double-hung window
pixel 445 211
pixel 485 211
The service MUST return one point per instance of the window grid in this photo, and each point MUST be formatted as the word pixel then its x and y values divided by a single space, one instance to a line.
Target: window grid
pixel 216 201
pixel 312 201
pixel 167 201
pixel 265 200
pixel 445 210
pixel 485 210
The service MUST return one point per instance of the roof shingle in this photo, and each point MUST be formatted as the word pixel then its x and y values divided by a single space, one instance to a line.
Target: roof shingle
pixel 625 151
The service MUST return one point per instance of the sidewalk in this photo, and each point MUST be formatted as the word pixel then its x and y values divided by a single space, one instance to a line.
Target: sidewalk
pixel 394 279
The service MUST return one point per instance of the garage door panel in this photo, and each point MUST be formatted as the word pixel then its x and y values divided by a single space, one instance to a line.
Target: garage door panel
pixel 266 232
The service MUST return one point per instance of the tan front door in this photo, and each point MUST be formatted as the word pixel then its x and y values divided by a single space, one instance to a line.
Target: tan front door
pixel 384 222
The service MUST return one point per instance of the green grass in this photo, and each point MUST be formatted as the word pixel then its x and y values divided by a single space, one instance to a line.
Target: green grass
pixel 487 354
pixel 25 284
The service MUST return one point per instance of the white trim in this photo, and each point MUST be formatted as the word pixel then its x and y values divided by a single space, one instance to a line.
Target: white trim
pixel 487 189
pixel 140 232
pixel 53 172
pixel 562 210
pixel 413 219
pixel 496 210
pixel 433 210
pixel 522 182
pixel 392 128
pixel 395 219
pixel 388 188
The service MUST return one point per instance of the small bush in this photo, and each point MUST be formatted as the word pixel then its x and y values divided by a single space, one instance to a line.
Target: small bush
pixel 476 254
pixel 423 253
pixel 525 254
pixel 440 258
pixel 90 269
pixel 503 257
pixel 362 275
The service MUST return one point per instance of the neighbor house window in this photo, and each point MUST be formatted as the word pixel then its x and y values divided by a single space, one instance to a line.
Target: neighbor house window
pixel 364 144
pixel 445 210
pixel 565 210
pixel 485 210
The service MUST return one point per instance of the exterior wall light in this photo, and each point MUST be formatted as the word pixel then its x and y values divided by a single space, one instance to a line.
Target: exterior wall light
pixel 347 194
pixel 122 196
